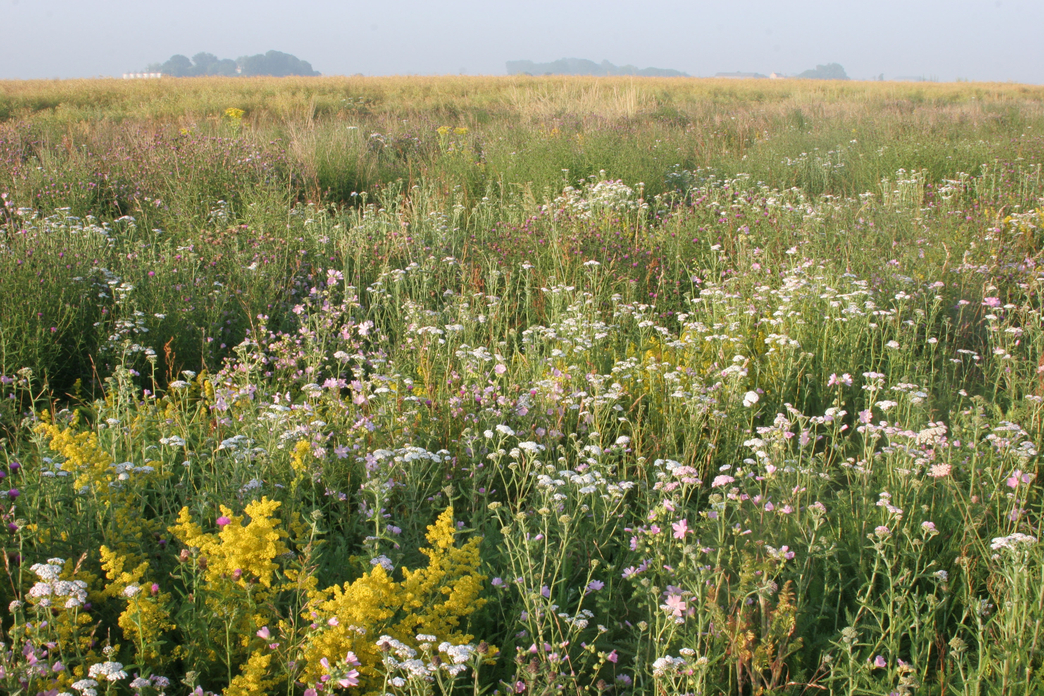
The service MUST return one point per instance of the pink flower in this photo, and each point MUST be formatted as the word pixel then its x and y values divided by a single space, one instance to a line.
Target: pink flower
pixel 675 605
pixel 880 662
pixel 1018 477
pixel 263 633
pixel 350 679
pixel 939 470
pixel 680 529
pixel 835 381
pixel 222 521
pixel 720 481
pixel 612 657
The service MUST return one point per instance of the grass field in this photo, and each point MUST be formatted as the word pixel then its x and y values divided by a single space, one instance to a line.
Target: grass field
pixel 528 385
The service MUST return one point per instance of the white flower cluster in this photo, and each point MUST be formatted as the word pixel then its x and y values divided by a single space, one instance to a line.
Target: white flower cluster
pixel 50 587
pixel 600 197
pixel 1013 542
pixel 668 666
pixel 109 671
pixel 401 657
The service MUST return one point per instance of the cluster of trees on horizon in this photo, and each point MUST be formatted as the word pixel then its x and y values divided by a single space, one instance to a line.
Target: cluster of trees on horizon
pixel 581 66
pixel 273 63
pixel 830 71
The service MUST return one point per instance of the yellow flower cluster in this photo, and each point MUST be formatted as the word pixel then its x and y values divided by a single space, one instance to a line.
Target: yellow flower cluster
pixel 429 600
pixel 240 552
pixel 83 454
pixel 253 677
pixel 299 457
pixel 146 617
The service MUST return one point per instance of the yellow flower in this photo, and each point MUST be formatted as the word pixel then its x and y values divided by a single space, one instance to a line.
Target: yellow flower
pixel 145 618
pixel 254 677
pixel 297 459
pixel 429 600
pixel 238 551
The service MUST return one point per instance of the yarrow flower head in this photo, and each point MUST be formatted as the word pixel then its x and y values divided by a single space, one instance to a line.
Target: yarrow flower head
pixel 109 671
pixel 1013 542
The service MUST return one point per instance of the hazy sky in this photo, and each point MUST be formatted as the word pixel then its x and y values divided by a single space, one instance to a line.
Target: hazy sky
pixel 998 40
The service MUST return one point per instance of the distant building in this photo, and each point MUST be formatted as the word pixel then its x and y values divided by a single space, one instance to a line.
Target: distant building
pixel 741 75
pixel 142 75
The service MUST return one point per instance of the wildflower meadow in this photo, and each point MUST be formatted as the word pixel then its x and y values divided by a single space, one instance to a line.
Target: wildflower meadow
pixel 521 386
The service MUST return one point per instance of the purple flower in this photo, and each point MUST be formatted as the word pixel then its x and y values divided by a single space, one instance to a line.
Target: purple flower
pixel 594 586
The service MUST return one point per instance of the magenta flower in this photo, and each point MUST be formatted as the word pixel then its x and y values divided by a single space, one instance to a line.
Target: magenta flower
pixel 222 521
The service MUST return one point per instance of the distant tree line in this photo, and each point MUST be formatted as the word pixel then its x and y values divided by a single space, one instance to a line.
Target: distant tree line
pixel 830 71
pixel 273 63
pixel 581 66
